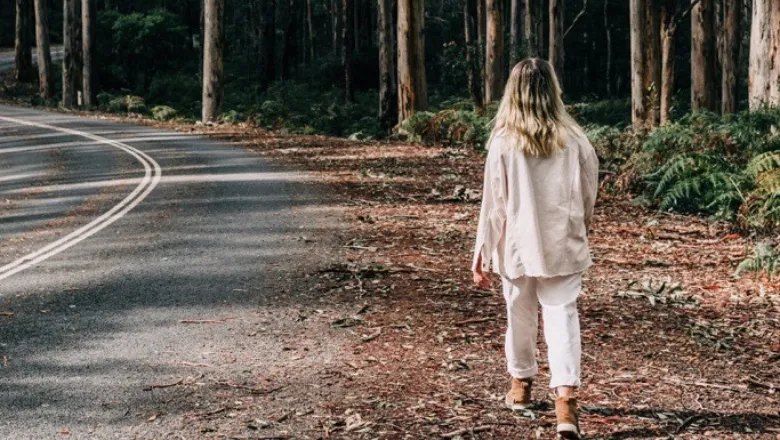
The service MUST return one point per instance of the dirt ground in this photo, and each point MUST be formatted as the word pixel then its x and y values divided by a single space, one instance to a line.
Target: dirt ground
pixel 674 345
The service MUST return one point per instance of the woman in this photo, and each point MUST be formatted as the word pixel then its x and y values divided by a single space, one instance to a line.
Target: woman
pixel 541 180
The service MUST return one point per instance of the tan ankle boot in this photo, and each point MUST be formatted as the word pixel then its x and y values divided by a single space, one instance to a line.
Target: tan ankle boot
pixel 519 397
pixel 568 421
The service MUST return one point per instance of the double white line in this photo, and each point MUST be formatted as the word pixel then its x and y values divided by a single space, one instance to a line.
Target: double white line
pixel 152 175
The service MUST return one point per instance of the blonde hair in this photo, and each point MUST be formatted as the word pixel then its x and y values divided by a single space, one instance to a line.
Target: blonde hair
pixel 532 111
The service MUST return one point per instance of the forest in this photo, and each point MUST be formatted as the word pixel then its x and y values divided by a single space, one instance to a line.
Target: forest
pixel 385 106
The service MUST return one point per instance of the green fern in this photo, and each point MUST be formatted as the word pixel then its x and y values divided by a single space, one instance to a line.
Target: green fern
pixel 763 162
pixel 765 259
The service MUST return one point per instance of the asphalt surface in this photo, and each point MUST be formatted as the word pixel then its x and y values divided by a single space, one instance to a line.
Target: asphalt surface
pixel 220 235
pixel 7 57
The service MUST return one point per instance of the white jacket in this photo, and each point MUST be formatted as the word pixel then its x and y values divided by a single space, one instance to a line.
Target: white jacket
pixel 536 211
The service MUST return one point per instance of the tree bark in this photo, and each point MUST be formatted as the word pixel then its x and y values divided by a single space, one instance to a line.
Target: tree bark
pixel 87 38
pixel 555 52
pixel 22 43
pixel 336 25
pixel 347 47
pixel 529 28
pixel 703 61
pixel 516 22
pixel 667 59
pixel 388 113
pixel 472 52
pixel 774 56
pixel 732 41
pixel 69 79
pixel 213 61
pixel 412 86
pixel 760 65
pixel 43 48
pixel 310 24
pixel 269 44
pixel 494 52
pixel 608 29
pixel 638 111
pixel 290 51
pixel 653 61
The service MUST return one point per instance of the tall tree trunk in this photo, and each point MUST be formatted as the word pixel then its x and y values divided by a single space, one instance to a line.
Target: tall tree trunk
pixel 608 29
pixel 760 64
pixel 732 41
pixel 213 60
pixel 529 28
pixel 703 61
pixel 516 21
pixel 87 38
pixel 555 52
pixel 69 83
pixel 472 52
pixel 638 110
pixel 310 24
pixel 356 10
pixel 774 55
pixel 494 52
pixel 43 48
pixel 653 57
pixel 388 113
pixel 412 85
pixel 22 43
pixel 668 30
pixel 290 52
pixel 336 25
pixel 269 43
pixel 347 47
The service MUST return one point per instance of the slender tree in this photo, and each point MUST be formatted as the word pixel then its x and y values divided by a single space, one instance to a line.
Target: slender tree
pixel 310 29
pixel 652 71
pixel 732 40
pixel 608 62
pixel 760 64
pixel 412 85
pixel 638 110
pixel 336 25
pixel 473 64
pixel 668 30
pixel 555 52
pixel 213 60
pixel 43 48
pixel 516 21
pixel 347 47
pixel 530 30
pixel 69 54
pixel 388 113
pixel 268 56
pixel 774 55
pixel 87 37
pixel 494 52
pixel 22 43
pixel 703 57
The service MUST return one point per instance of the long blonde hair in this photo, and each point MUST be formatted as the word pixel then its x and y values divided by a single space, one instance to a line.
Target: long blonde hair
pixel 532 111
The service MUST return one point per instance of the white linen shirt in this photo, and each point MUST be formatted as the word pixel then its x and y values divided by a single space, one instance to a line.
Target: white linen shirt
pixel 536 211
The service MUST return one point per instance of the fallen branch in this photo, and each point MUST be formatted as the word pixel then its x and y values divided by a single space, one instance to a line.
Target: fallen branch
pixel 211 413
pixel 466 431
pixel 160 386
pixel 251 390
pixel 688 422
pixel 474 321
pixel 372 336
pixel 7 314
pixel 756 383
pixel 202 321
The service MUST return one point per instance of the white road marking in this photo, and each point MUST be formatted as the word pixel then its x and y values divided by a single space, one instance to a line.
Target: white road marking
pixel 152 175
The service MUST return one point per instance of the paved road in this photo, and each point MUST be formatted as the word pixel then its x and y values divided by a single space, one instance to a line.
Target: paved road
pixel 214 233
pixel 7 57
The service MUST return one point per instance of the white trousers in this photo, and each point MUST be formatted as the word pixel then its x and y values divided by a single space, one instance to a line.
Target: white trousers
pixel 558 297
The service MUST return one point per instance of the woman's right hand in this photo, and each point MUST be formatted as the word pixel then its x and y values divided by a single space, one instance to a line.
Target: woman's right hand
pixel 481 280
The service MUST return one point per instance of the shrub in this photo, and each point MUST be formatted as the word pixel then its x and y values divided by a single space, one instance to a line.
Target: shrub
pixel 164 113
pixel 765 259
pixel 725 167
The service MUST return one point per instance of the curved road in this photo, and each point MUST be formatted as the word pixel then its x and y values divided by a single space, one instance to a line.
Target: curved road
pixel 115 241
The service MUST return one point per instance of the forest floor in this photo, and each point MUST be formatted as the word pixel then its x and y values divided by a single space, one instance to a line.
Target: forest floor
pixel 674 345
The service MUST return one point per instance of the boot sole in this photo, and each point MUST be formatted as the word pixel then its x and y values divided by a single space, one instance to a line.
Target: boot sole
pixel 568 431
pixel 517 406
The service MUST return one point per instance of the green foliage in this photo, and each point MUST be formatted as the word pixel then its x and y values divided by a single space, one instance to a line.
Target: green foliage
pixel 121 104
pixel 612 113
pixel 765 259
pixel 135 48
pixel 727 167
pixel 164 113
pixel 458 125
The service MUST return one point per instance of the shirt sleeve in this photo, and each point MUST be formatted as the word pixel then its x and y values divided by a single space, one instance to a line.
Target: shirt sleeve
pixel 589 178
pixel 492 216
